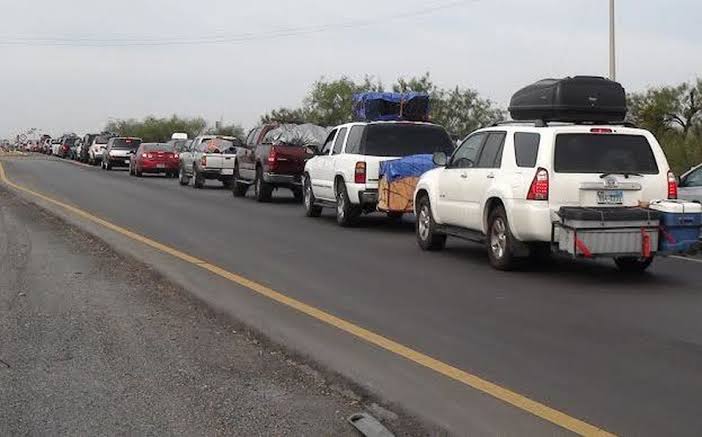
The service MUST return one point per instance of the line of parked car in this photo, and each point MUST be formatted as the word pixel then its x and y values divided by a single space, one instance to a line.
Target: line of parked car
pixel 522 188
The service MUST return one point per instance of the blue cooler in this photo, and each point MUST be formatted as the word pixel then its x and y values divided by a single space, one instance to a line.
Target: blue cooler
pixel 680 225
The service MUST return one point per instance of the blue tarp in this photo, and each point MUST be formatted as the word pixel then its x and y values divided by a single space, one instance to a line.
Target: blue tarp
pixel 378 106
pixel 413 165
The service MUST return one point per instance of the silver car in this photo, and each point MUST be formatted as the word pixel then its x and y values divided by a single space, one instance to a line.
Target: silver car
pixel 119 151
pixel 690 187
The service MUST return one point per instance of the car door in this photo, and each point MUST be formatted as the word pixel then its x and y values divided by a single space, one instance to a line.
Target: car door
pixel 186 158
pixel 321 169
pixel 481 177
pixel 691 186
pixel 453 181
pixel 247 166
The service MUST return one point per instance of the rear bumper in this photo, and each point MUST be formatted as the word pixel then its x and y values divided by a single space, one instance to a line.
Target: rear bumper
pixel 121 161
pixel 368 197
pixel 154 167
pixel 283 179
pixel 216 173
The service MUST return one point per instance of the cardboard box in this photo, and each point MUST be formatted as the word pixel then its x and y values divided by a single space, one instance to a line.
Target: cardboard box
pixel 398 195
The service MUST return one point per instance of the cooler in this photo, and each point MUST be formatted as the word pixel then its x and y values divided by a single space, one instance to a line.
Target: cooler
pixel 680 224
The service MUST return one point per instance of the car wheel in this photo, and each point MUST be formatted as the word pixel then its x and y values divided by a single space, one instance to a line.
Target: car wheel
pixel 346 213
pixel 311 210
pixel 198 179
pixel 633 264
pixel 183 178
pixel 428 236
pixel 298 194
pixel 500 241
pixel 228 183
pixel 137 172
pixel 239 189
pixel 263 190
pixel 108 166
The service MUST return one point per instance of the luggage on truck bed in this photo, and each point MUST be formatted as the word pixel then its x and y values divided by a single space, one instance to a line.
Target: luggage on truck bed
pixel 572 99
pixel 379 106
pixel 680 225
pixel 607 231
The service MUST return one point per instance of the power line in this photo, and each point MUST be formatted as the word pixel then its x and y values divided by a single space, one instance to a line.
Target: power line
pixel 218 38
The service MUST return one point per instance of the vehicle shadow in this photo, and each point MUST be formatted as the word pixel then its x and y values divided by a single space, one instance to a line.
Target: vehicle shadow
pixel 600 276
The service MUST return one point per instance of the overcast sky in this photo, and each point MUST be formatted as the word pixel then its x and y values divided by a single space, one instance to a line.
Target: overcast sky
pixel 71 65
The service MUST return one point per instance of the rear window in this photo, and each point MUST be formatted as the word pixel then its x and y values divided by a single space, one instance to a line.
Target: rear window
pixel 102 140
pixel 594 153
pixel 217 145
pixel 402 139
pixel 526 148
pixel 158 147
pixel 126 143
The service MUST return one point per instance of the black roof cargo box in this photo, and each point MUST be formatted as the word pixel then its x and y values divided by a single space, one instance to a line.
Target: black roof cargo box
pixel 573 99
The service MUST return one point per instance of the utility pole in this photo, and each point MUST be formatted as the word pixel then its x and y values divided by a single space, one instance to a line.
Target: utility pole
pixel 612 55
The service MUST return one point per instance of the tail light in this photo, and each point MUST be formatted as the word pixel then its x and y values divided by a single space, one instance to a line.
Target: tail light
pixel 149 155
pixel 144 155
pixel 359 175
pixel 272 158
pixel 601 130
pixel 672 186
pixel 176 156
pixel 203 161
pixel 539 186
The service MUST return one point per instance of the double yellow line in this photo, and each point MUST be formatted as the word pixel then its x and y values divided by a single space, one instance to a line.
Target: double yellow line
pixel 515 399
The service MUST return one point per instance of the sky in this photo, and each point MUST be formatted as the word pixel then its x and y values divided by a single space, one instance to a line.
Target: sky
pixel 70 66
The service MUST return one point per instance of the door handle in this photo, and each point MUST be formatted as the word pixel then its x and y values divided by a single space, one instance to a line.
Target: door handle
pixel 464 175
pixel 491 176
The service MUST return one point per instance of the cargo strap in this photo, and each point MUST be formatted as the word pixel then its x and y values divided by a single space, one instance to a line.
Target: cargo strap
pixel 667 235
pixel 583 247
pixel 645 244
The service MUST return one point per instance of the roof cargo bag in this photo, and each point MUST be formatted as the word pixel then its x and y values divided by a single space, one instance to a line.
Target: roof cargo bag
pixel 573 99
pixel 377 106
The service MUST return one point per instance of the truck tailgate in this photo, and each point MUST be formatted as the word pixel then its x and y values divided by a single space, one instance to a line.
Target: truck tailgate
pixel 218 161
pixel 285 159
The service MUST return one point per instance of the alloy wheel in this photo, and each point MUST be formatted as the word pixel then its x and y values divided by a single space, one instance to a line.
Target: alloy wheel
pixel 498 238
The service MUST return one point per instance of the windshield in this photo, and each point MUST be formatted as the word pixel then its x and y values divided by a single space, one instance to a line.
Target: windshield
pixel 102 140
pixel 404 139
pixel 158 147
pixel 604 153
pixel 126 143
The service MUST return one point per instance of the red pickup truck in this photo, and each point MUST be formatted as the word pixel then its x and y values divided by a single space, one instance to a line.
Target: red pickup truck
pixel 273 157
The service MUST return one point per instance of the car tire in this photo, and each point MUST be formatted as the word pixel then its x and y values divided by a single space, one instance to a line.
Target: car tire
pixel 263 191
pixel 198 179
pixel 632 264
pixel 346 213
pixel 108 166
pixel 311 210
pixel 138 173
pixel 183 178
pixel 428 237
pixel 239 189
pixel 298 194
pixel 228 183
pixel 500 241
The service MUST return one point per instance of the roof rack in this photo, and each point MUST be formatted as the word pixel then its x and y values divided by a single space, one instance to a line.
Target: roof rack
pixel 543 123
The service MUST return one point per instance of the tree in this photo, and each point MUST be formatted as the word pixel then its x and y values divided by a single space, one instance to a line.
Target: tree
pixel 328 103
pixel 230 130
pixel 152 129
pixel 674 115
pixel 459 110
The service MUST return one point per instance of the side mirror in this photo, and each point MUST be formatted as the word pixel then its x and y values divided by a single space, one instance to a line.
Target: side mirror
pixel 312 150
pixel 440 159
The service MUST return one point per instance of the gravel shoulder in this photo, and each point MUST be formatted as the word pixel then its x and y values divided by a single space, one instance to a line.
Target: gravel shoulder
pixel 94 343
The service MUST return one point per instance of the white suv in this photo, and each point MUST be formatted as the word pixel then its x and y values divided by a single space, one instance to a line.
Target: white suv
pixel 344 174
pixel 505 184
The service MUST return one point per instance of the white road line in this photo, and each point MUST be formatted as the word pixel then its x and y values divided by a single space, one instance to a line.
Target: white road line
pixel 696 260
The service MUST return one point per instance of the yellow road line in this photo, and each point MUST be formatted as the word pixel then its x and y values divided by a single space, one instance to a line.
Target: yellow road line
pixel 515 399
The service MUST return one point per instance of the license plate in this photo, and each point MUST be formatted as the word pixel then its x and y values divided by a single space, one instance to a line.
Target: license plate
pixel 126 161
pixel 160 165
pixel 227 171
pixel 610 197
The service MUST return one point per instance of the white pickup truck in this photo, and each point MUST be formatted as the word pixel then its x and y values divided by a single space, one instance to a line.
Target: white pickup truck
pixel 208 157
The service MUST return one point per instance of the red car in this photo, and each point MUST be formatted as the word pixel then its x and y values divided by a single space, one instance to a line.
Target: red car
pixel 154 158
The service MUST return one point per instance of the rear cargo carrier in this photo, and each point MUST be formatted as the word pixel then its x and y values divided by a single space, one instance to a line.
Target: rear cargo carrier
pixel 572 99
pixel 591 232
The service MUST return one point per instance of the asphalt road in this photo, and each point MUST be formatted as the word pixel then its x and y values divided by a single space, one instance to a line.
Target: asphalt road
pixel 90 349
pixel 620 352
